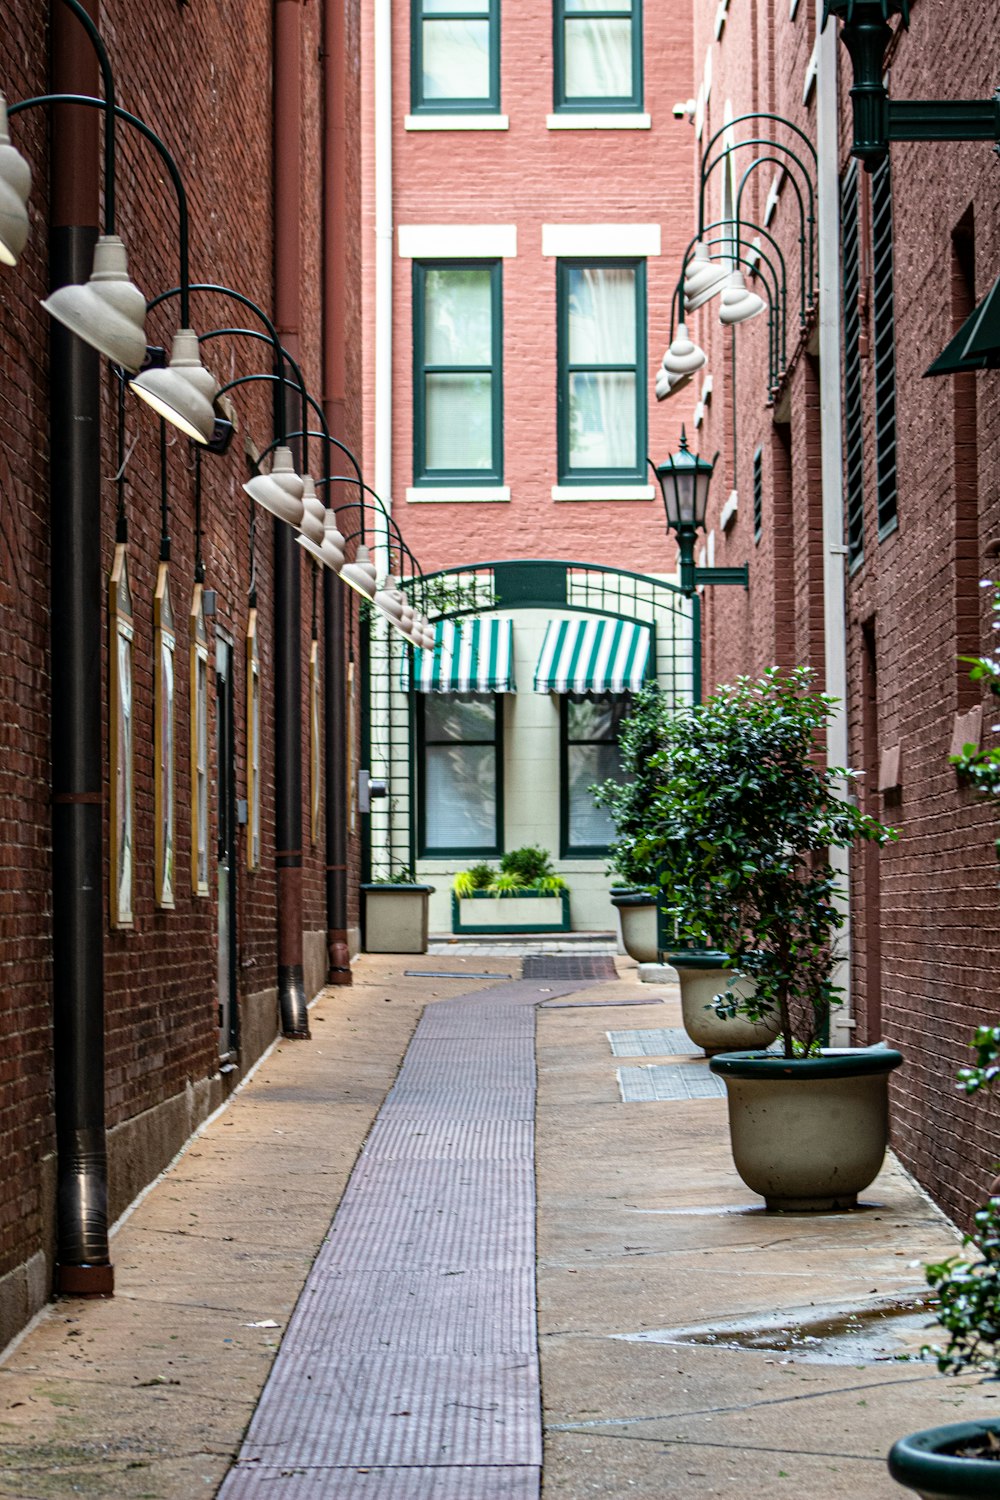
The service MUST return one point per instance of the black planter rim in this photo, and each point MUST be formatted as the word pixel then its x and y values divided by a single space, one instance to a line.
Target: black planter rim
pixel 917 1461
pixel 396 885
pixel 852 1062
pixel 631 896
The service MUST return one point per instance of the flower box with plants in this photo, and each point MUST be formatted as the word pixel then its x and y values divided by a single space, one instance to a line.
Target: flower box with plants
pixel 396 914
pixel 740 828
pixel 523 895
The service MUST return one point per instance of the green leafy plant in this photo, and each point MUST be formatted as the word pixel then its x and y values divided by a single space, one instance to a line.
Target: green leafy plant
pixel 968 1293
pixel 530 865
pixel 478 878
pixel 640 746
pixel 529 868
pixel 739 825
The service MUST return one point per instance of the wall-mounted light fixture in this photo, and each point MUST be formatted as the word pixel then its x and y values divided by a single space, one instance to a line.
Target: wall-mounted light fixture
pixel 684 483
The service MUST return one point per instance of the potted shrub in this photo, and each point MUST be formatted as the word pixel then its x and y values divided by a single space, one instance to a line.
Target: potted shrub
pixel 645 746
pixel 525 895
pixel 396 914
pixel 635 898
pixel 741 828
pixel 962 1459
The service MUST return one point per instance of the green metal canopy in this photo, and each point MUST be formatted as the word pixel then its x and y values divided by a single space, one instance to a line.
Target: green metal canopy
pixel 592 656
pixel 470 656
pixel 976 345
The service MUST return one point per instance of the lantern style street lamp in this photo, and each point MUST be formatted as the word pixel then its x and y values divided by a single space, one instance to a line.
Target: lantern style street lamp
pixel 684 482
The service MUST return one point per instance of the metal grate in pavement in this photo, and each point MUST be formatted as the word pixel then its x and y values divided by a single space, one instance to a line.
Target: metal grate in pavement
pixel 597 966
pixel 271 1482
pixel 409 1369
pixel 450 1140
pixel 669 1081
pixel 473 1312
pixel 668 1041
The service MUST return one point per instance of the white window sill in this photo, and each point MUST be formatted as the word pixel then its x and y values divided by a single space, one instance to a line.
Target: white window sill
pixel 448 494
pixel 456 122
pixel 603 492
pixel 624 121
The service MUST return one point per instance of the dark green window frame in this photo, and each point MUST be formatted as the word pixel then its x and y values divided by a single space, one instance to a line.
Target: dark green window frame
pixel 567 475
pixel 440 851
pixel 568 850
pixel 462 477
pixel 580 104
pixel 457 104
pixel 884 349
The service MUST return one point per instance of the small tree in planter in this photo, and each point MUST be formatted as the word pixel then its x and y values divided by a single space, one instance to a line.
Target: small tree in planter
pixel 641 745
pixel 740 826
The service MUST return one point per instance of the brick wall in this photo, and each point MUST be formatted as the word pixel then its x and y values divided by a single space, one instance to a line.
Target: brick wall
pixel 202 77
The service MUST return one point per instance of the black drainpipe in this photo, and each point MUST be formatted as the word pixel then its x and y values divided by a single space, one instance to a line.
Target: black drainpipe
pixel 83 1264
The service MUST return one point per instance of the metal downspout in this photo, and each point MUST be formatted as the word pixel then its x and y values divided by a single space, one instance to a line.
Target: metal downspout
pixel 287 107
pixel 831 429
pixel 335 716
pixel 83 1265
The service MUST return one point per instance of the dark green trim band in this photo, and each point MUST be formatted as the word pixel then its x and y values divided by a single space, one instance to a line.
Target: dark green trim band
pixel 851 1063
pixel 632 898
pixel 699 958
pixel 388 886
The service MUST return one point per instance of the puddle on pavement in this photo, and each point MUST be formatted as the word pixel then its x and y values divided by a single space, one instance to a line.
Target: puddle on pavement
pixel 872 1334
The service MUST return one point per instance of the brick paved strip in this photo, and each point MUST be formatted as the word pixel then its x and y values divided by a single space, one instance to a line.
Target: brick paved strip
pixel 409 1370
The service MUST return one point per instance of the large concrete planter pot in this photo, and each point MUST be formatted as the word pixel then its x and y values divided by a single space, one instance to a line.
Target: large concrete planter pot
pixel 924 1462
pixel 808 1133
pixel 637 914
pixel 396 918
pixel 703 975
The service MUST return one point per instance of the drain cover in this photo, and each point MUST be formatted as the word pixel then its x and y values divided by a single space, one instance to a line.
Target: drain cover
pixel 668 1081
pixel 570 966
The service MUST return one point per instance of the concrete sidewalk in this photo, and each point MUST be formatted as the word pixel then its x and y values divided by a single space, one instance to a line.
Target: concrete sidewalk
pixel 646 1237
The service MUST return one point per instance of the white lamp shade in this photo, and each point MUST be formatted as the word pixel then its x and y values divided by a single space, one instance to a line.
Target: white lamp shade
pixel 334 547
pixel 271 497
pixel 15 185
pixel 360 574
pixel 702 278
pixel 669 385
pixel 313 513
pixel 738 303
pixel 389 600
pixel 283 473
pixel 312 549
pixel 683 357
pixel 182 393
pixel 107 312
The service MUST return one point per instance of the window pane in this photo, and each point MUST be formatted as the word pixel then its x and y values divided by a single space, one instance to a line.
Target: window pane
pixel 587 764
pixel 456 59
pixel 461 797
pixel 601 315
pixel 595 719
pixel 623 6
pixel 463 7
pixel 602 431
pixel 598 58
pixel 458 316
pixel 459 432
pixel 450 718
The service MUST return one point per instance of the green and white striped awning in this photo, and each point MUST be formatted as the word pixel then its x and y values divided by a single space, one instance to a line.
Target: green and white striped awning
pixel 471 656
pixel 592 656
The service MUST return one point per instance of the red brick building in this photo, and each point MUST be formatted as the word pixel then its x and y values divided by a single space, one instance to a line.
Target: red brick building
pixel 136 993
pixel 863 497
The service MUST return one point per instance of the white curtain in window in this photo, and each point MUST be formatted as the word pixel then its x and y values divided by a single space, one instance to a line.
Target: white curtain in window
pixel 456 55
pixel 598 50
pixel 602 404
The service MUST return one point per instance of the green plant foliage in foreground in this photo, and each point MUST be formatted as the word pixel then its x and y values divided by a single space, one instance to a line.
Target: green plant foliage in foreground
pixel 640 748
pixel 969 1300
pixel 477 878
pixel 739 824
